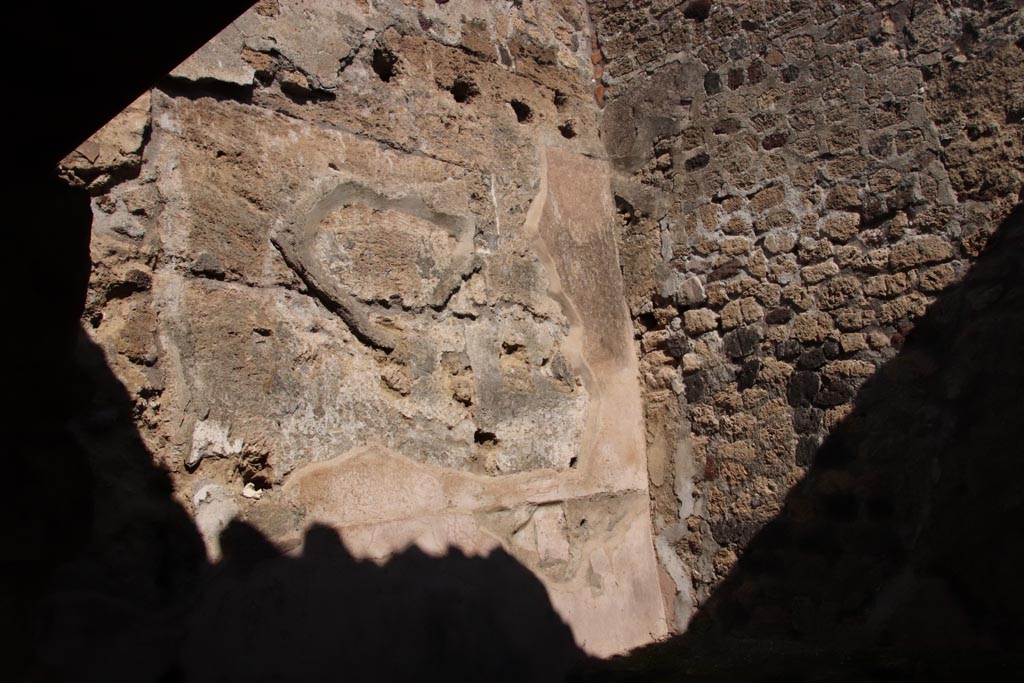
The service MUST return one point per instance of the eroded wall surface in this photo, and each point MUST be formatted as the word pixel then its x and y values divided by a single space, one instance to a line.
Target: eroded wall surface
pixel 356 264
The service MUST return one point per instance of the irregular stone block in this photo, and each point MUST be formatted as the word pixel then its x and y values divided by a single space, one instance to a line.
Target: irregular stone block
pixel 699 321
pixel 919 250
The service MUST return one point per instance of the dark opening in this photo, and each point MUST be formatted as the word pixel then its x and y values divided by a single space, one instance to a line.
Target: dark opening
pixel 567 130
pixel 383 63
pixel 482 437
pixel 253 469
pixel 463 90
pixel 698 10
pixel 508 348
pixel 627 212
pixel 523 112
pixel 648 321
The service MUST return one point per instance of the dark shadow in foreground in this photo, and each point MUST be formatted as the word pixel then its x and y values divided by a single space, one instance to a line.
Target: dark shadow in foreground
pixel 138 601
pixel 327 615
pixel 895 559
pixel 107 578
pixel 898 556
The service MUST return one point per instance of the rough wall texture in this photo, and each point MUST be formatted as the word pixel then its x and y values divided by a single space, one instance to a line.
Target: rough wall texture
pixel 356 264
pixel 373 265
pixel 797 183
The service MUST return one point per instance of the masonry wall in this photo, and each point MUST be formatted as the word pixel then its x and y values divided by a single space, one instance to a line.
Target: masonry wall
pixel 798 182
pixel 376 265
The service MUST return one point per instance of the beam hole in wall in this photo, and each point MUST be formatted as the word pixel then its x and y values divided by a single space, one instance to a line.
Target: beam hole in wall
pixel 523 112
pixel 485 438
pixel 463 90
pixel 567 130
pixel 383 63
pixel 698 10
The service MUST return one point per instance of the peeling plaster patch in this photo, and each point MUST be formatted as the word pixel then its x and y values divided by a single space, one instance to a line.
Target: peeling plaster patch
pixel 210 438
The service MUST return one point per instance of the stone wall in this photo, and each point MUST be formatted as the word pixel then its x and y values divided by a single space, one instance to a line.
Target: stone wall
pixel 356 265
pixel 796 183
pixel 594 283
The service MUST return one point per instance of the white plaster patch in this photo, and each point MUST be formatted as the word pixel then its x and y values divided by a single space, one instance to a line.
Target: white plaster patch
pixel 210 438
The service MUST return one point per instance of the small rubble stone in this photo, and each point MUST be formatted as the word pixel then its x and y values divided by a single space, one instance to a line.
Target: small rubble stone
pixel 690 292
pixel 742 342
pixel 739 312
pixel 779 241
pixel 853 342
pixel 812 326
pixel 841 226
pixel 699 321
pixel 848 368
pixel 920 250
pixel 938 278
pixel 767 198
pixel 817 273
